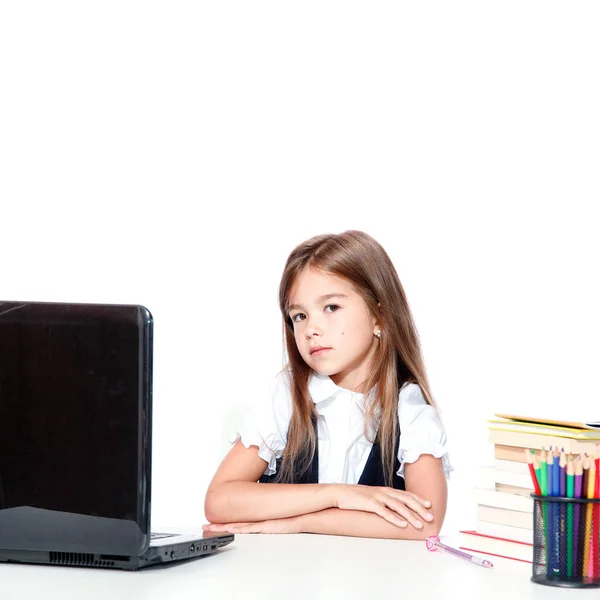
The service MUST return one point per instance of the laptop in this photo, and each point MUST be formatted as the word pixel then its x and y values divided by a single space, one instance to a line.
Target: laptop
pixel 75 439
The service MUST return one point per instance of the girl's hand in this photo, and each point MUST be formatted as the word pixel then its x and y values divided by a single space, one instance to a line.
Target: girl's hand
pixel 289 525
pixel 396 506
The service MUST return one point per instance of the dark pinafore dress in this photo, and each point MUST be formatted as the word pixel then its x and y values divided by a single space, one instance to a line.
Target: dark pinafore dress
pixel 372 474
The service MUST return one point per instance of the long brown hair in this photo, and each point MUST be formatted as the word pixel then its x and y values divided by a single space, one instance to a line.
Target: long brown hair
pixel 362 261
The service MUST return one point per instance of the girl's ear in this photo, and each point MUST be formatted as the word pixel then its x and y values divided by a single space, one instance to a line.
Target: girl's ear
pixel 377 328
pixel 376 325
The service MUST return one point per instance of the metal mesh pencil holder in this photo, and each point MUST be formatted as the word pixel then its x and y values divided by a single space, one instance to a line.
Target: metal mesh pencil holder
pixel 566 541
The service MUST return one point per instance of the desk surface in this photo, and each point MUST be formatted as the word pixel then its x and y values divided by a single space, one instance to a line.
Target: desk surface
pixel 287 567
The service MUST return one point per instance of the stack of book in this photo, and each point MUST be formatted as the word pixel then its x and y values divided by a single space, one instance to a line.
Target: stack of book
pixel 504 525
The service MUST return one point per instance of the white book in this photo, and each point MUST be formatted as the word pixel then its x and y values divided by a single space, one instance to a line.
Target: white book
pixel 518 534
pixel 512 489
pixel 503 500
pixel 488 476
pixel 560 423
pixel 504 516
pixel 512 467
pixel 536 441
pixel 475 541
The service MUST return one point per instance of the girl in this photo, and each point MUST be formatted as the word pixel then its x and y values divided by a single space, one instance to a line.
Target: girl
pixel 349 437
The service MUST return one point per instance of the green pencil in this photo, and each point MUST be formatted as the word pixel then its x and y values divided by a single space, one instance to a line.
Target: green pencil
pixel 537 468
pixel 544 504
pixel 543 478
pixel 570 494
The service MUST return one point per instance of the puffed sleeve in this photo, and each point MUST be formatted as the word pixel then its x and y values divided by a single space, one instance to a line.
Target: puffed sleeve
pixel 421 430
pixel 266 424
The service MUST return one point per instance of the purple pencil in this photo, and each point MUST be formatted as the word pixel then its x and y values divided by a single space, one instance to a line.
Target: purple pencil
pixel 551 543
pixel 577 552
pixel 578 477
pixel 562 465
pixel 562 521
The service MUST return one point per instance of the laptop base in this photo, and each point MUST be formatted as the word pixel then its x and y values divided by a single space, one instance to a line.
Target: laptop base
pixel 155 555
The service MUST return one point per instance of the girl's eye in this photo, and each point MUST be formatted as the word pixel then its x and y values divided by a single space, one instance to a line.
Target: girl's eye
pixel 301 316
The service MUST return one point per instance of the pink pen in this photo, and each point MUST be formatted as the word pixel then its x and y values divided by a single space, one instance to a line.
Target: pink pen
pixel 433 543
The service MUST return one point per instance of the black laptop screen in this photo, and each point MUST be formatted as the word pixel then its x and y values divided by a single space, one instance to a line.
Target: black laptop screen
pixel 75 385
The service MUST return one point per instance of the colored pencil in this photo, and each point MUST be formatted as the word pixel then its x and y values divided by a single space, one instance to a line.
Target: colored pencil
pixel 530 455
pixel 560 461
pixel 578 476
pixel 592 558
pixel 596 532
pixel 536 476
pixel 544 505
pixel 556 473
pixel 550 471
pixel 537 468
pixel 570 494
pixel 562 465
pixel 588 515
pixel 552 528
pixel 549 514
pixel 543 473
pixel 577 511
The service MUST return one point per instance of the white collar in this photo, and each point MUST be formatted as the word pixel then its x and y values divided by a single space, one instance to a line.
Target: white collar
pixel 322 387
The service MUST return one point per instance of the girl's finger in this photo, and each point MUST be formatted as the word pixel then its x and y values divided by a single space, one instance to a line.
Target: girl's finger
pixel 414 504
pixel 407 514
pixel 224 526
pixel 244 529
pixel 392 517
pixel 211 527
pixel 419 509
pixel 401 495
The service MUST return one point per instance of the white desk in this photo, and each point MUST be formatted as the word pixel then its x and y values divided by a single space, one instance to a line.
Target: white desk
pixel 287 567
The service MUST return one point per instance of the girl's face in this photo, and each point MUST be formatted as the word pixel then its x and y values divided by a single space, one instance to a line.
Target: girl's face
pixel 327 313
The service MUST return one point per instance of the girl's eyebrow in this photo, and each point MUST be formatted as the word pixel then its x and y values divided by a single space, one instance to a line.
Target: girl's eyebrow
pixel 320 299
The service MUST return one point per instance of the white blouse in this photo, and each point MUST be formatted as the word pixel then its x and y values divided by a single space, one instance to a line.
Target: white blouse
pixel 343 446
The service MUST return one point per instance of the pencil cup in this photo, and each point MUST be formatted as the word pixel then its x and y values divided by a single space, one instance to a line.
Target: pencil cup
pixel 566 541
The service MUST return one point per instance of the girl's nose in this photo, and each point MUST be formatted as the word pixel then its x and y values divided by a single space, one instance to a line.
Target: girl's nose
pixel 313 329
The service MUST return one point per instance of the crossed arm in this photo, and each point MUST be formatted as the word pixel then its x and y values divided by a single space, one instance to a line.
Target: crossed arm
pixel 236 502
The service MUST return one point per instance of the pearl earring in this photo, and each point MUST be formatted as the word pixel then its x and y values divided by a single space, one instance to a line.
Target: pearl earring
pixel 378 334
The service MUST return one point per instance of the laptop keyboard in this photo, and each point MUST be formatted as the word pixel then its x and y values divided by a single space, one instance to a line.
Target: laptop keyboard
pixel 160 536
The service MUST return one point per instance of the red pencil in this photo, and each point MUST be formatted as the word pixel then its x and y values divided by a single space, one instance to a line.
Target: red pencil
pixel 536 485
pixel 597 482
pixel 596 527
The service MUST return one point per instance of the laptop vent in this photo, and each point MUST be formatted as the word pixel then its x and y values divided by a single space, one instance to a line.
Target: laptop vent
pixel 78 559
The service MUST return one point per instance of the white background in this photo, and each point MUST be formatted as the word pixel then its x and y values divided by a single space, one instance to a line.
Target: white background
pixel 173 153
